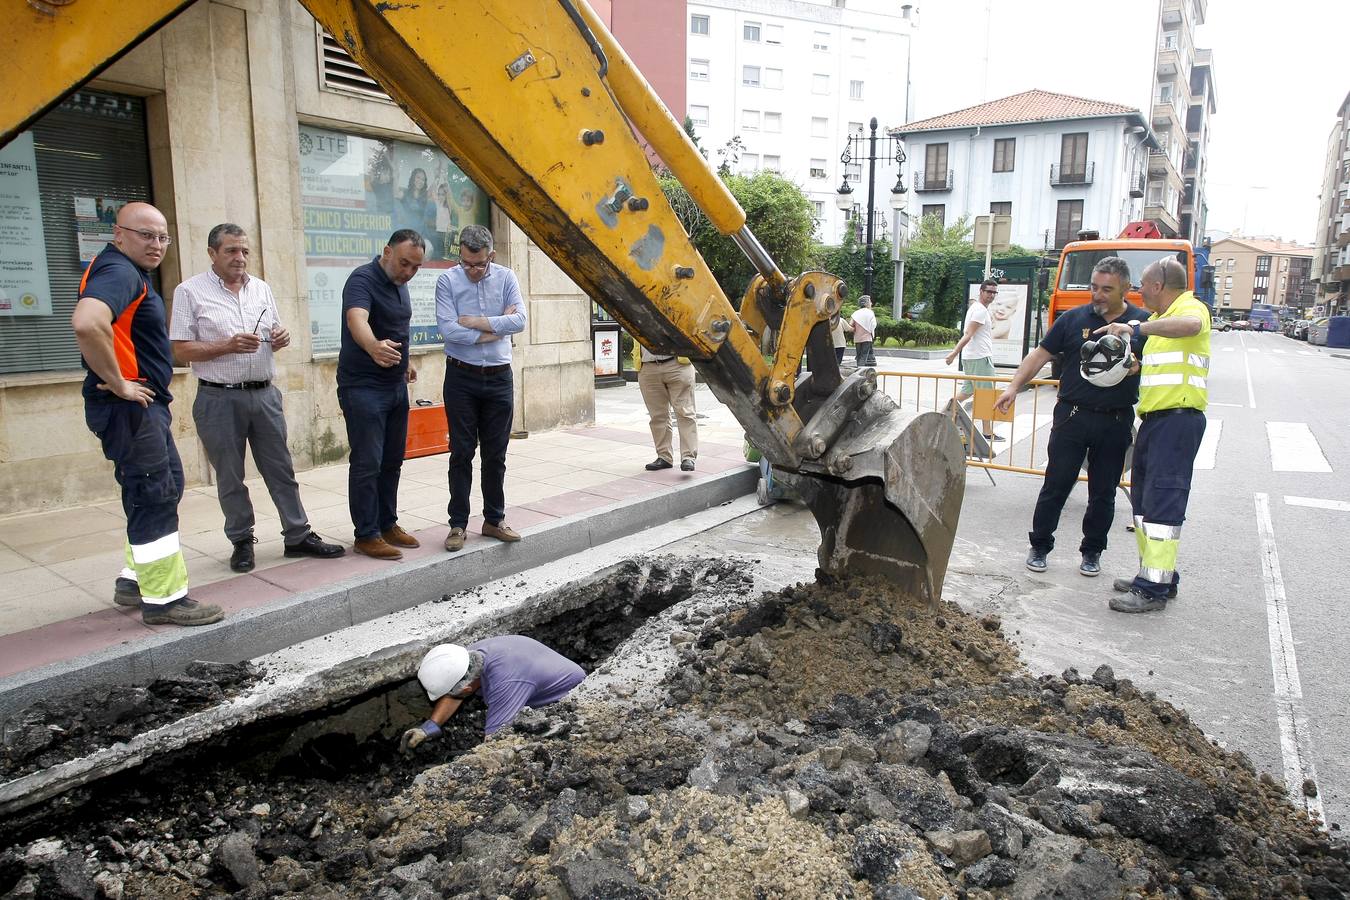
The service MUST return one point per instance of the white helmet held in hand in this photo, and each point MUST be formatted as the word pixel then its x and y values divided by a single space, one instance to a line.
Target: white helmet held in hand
pixel 1106 362
pixel 442 668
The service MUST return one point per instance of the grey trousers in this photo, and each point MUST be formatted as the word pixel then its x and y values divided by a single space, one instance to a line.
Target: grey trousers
pixel 667 386
pixel 225 421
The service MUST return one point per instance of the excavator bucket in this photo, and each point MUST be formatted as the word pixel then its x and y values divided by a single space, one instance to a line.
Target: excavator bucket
pixel 887 494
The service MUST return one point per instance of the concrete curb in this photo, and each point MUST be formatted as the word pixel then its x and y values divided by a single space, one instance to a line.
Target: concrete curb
pixel 309 614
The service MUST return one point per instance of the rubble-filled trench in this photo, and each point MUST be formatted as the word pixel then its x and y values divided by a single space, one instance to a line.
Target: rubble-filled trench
pixel 832 739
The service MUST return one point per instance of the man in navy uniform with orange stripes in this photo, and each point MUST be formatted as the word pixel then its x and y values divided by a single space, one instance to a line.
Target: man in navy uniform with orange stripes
pixel 122 330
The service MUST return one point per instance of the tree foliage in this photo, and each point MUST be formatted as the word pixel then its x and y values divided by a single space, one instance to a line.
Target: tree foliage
pixel 935 285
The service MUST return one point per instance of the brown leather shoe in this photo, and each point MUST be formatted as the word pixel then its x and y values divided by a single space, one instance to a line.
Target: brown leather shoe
pixel 400 538
pixel 501 531
pixel 377 548
pixel 454 541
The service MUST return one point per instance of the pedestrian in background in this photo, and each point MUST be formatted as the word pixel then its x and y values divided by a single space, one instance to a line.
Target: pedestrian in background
pixel 667 384
pixel 976 349
pixel 863 324
pixel 478 308
pixel 1173 394
pixel 122 332
pixel 373 375
pixel 838 338
pixel 1090 422
pixel 225 325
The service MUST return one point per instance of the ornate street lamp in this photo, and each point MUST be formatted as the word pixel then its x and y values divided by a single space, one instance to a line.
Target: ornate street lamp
pixel 893 151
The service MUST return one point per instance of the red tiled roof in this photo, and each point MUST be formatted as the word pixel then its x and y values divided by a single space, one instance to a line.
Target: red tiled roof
pixel 1029 106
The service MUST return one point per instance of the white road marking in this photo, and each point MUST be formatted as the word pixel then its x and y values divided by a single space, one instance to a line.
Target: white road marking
pixel 1253 349
pixel 1251 390
pixel 1227 349
pixel 1294 449
pixel 1316 503
pixel 1209 445
pixel 1278 350
pixel 1216 403
pixel 1295 737
pixel 1306 353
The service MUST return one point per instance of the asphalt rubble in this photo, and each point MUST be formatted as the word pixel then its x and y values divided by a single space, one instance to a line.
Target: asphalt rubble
pixel 832 739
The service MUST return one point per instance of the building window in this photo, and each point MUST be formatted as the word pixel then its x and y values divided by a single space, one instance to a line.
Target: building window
pixel 750 76
pixel 855 128
pixel 937 211
pixel 773 79
pixel 698 24
pixel 1165 92
pixel 855 89
pixel 773 34
pixel 817 168
pixel 772 163
pixel 821 41
pixel 853 171
pixel 819 206
pixel 1170 40
pixel 820 127
pixel 1068 221
pixel 1227 299
pixel 858 46
pixel 749 163
pixel 935 166
pixel 698 70
pixel 1155 194
pixel 1263 265
pixel 1228 282
pixel 1005 154
pixel 820 84
pixel 750 120
pixel 750 32
pixel 1073 157
pixel 1232 263
pixel 1002 208
pixel 698 114
pixel 773 122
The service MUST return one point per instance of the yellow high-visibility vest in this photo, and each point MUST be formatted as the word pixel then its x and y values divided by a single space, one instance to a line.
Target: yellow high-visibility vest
pixel 1174 371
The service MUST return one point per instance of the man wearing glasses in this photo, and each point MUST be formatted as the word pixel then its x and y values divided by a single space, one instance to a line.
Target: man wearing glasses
pixel 478 308
pixel 122 332
pixel 225 325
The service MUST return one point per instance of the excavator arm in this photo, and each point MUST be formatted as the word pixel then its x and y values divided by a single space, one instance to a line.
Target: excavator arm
pixel 538 104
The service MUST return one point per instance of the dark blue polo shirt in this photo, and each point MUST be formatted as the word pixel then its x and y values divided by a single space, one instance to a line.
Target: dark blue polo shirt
pixel 390 310
pixel 140 325
pixel 1066 337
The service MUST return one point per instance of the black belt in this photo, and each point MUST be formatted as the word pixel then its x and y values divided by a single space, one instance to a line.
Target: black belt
pixel 478 370
pixel 659 359
pixel 1118 411
pixel 1176 410
pixel 238 386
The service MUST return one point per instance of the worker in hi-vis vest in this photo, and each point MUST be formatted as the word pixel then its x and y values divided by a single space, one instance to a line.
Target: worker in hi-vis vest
pixel 1172 399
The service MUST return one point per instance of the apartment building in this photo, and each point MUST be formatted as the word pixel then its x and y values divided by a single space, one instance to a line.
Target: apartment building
pixel 792 79
pixel 1331 259
pixel 1057 164
pixel 1256 270
pixel 1183 102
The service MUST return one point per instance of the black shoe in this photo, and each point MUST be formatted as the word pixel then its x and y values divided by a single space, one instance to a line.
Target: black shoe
pixel 658 464
pixel 687 464
pixel 241 560
pixel 313 545
pixel 1091 566
pixel 127 592
pixel 1125 585
pixel 994 437
pixel 1036 561
pixel 1135 602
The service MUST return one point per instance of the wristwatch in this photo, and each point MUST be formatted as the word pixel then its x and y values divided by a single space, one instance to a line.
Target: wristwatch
pixel 1134 329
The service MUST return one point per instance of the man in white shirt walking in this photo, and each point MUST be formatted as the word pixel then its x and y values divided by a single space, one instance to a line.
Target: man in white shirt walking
pixel 863 322
pixel 225 325
pixel 976 349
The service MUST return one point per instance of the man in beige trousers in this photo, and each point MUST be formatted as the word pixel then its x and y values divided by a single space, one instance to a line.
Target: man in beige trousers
pixel 667 383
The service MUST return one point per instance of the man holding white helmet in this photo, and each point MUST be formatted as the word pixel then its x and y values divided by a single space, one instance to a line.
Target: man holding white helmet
pixel 511 671
pixel 1098 387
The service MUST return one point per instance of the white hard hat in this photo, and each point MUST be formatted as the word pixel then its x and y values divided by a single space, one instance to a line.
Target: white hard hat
pixel 1106 362
pixel 442 668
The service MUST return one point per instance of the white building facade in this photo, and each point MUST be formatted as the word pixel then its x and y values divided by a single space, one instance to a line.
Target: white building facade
pixel 793 78
pixel 1056 164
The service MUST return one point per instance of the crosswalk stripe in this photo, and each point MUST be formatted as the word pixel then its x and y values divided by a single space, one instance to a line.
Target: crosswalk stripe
pixel 1278 350
pixel 1293 448
pixel 1227 349
pixel 1209 445
pixel 1315 503
pixel 1306 353
pixel 1253 349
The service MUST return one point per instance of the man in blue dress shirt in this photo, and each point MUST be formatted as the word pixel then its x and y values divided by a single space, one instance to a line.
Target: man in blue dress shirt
pixel 478 308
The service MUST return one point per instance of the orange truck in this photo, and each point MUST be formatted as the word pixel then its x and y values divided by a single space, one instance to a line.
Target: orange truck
pixel 1140 244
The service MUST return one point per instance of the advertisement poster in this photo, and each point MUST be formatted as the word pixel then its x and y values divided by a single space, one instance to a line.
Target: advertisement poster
pixel 606 352
pixel 1007 321
pixel 94 220
pixel 355 192
pixel 24 287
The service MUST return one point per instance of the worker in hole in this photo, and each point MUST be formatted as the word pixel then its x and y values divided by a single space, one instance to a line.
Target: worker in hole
pixel 510 671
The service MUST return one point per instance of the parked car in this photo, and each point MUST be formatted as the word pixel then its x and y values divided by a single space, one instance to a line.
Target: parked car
pixel 1300 330
pixel 1222 325
pixel 1241 325
pixel 1317 331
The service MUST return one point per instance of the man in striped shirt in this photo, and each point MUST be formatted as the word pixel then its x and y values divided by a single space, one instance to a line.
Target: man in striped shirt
pixel 225 325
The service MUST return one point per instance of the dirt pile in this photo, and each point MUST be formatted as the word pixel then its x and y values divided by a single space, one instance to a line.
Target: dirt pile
pixel 828 740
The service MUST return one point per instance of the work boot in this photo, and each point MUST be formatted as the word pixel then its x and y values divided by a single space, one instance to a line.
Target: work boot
pixel 1091 566
pixel 1036 560
pixel 127 592
pixel 184 611
pixel 1135 602
pixel 657 464
pixel 501 531
pixel 241 560
pixel 454 541
pixel 376 548
pixel 399 538
pixel 1125 585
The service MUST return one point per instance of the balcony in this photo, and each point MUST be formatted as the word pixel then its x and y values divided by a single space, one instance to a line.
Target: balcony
pixel 1166 220
pixel 1071 175
pixel 1167 117
pixel 929 181
pixel 1137 184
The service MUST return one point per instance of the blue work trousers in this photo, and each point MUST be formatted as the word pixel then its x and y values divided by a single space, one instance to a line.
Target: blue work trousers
pixel 139 442
pixel 1160 486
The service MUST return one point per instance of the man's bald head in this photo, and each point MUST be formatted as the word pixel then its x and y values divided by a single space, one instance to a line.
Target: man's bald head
pixel 1161 283
pixel 134 222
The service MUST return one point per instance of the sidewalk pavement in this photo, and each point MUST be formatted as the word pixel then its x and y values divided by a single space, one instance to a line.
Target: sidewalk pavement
pixel 57 568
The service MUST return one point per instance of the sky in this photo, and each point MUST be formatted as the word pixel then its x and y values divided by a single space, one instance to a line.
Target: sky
pixel 1280 75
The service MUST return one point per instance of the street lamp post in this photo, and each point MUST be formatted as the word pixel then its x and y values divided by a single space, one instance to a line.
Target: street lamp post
pixel 893 151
